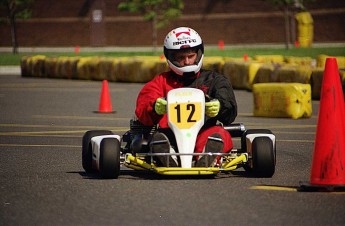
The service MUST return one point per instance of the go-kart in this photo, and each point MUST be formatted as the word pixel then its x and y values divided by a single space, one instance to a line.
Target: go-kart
pixel 104 152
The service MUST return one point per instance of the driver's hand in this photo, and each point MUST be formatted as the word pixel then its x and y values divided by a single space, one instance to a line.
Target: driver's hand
pixel 161 106
pixel 212 108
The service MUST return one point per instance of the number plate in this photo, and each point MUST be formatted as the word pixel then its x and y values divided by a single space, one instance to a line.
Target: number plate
pixel 185 115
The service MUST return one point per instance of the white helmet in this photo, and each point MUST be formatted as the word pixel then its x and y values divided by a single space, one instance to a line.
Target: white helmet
pixel 183 38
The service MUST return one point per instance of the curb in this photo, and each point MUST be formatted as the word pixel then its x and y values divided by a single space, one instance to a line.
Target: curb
pixel 10 70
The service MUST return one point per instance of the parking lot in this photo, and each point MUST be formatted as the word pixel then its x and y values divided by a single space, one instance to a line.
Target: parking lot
pixel 42 181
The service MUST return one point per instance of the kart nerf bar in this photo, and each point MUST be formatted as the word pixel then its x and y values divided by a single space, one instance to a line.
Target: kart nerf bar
pixel 231 164
pixel 236 129
pixel 231 155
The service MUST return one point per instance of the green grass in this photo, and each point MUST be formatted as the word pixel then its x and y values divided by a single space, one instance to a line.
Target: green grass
pixel 298 52
pixel 14 59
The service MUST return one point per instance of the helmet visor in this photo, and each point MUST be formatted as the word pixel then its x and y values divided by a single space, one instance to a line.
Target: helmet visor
pixel 178 56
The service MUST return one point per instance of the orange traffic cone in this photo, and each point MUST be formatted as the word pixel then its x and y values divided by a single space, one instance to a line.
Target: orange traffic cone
pixel 221 44
pixel 105 102
pixel 328 164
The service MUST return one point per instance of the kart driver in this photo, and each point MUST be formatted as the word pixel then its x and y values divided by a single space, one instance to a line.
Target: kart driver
pixel 184 51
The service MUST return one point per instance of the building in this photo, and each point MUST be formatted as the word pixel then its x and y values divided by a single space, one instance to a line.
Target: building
pixel 99 23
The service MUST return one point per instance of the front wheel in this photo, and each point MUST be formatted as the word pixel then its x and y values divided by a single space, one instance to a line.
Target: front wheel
pixel 87 149
pixel 263 157
pixel 109 159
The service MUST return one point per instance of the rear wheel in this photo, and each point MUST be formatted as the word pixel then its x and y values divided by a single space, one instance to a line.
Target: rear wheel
pixel 87 149
pixel 109 159
pixel 263 157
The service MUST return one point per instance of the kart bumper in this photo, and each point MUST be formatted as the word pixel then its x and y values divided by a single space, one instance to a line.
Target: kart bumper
pixel 228 164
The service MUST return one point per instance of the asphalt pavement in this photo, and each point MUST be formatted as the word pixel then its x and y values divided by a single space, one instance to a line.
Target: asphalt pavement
pixel 42 181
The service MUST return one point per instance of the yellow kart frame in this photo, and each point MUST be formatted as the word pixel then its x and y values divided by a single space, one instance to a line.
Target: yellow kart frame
pixel 229 163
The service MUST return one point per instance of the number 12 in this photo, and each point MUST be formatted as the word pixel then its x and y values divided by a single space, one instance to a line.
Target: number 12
pixel 190 108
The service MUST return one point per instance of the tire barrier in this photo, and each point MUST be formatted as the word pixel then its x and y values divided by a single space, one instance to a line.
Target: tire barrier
pixel 242 72
pixel 108 69
pixel 66 67
pixel 235 72
pixel 266 73
pixel 50 67
pixel 294 74
pixel 321 61
pixel 302 61
pixel 139 69
pixel 244 58
pixel 214 64
pixel 288 100
pixel 33 66
pixel 270 59
pixel 316 83
pixel 83 68
pixel 115 69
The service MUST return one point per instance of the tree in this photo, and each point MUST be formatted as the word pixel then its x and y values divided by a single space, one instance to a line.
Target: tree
pixel 16 9
pixel 287 6
pixel 159 12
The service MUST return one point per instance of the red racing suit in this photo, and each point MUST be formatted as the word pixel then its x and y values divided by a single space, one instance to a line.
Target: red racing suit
pixel 214 85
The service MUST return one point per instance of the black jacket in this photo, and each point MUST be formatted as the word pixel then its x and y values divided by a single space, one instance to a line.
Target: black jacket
pixel 216 86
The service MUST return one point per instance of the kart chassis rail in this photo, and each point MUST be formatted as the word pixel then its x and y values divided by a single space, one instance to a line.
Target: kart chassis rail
pixel 231 161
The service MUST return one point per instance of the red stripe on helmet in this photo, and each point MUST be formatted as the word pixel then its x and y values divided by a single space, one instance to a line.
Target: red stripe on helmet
pixel 182 32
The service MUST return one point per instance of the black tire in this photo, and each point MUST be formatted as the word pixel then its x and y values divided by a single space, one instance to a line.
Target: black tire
pixel 251 131
pixel 87 149
pixel 109 158
pixel 263 157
